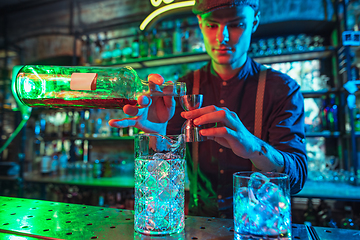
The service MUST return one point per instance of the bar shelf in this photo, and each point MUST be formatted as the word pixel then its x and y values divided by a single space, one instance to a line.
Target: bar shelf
pixel 202 56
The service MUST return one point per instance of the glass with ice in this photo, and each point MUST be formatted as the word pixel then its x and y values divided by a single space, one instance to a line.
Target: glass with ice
pixel 262 207
pixel 159 184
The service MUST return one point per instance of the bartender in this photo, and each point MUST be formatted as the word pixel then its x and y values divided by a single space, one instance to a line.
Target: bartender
pixel 232 84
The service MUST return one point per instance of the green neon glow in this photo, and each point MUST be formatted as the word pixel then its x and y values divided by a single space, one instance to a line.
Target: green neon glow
pixel 166 8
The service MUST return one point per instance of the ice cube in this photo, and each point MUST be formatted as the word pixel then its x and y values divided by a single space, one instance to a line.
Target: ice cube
pixel 163 209
pixel 164 181
pixel 271 195
pixel 256 181
pixel 241 200
pixel 150 209
pixel 165 195
pixel 162 223
pixel 163 167
pixel 259 215
pixel 150 224
pixel 151 182
pixel 152 165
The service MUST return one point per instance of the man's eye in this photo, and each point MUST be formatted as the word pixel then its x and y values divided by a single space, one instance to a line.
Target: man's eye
pixel 210 25
pixel 237 25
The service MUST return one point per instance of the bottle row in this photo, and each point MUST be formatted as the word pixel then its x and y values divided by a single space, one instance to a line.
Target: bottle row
pixel 322 114
pixel 329 115
pixel 92 123
pixel 286 45
pixel 339 215
pixel 80 160
pixel 103 197
pixel 179 37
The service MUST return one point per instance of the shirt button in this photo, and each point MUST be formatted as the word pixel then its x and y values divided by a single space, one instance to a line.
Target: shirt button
pixel 221 150
pixel 222 101
pixel 219 197
pixel 224 83
pixel 222 171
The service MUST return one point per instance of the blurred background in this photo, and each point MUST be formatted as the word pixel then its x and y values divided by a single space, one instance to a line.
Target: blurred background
pixel 75 156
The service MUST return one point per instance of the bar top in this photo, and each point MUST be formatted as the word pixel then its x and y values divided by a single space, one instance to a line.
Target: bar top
pixel 37 219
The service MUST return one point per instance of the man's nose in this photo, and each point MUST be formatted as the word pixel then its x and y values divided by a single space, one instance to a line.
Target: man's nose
pixel 223 34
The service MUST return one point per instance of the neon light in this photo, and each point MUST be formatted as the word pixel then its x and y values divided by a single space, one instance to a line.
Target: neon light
pixel 155 3
pixel 166 8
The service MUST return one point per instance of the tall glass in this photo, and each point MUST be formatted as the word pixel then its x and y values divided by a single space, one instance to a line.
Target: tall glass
pixel 262 207
pixel 159 184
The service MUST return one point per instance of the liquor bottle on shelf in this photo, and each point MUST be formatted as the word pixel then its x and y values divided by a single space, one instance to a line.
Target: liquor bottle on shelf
pixel 90 130
pixel 63 158
pixel 333 114
pixel 324 113
pixel 98 47
pixel 144 45
pixel 185 37
pixel 90 49
pixel 104 130
pixel 106 54
pixel 160 44
pixel 81 127
pixel 177 48
pixel 126 51
pixel 116 53
pixel 310 213
pixel 135 47
pixel 348 221
pixel 67 123
pixel 84 87
pixel 153 43
pixel 168 44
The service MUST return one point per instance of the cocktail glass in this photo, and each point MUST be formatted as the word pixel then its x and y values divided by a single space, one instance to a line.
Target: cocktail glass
pixel 159 184
pixel 262 207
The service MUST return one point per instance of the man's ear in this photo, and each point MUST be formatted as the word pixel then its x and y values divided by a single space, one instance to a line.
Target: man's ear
pixel 256 22
pixel 199 21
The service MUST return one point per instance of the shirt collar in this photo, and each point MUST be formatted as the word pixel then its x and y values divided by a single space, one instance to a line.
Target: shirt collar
pixel 243 73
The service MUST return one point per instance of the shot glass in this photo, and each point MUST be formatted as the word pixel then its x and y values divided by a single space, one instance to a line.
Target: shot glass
pixel 159 184
pixel 262 207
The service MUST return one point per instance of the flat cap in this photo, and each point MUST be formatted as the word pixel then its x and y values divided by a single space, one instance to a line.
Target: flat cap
pixel 205 6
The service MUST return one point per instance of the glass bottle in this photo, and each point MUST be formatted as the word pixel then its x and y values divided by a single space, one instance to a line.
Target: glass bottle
pixel 333 114
pixel 177 38
pixel 84 87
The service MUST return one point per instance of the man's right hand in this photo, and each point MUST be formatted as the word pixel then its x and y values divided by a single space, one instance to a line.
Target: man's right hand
pixel 152 113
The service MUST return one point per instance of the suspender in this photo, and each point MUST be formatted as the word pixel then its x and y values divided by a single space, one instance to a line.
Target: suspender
pixel 259 106
pixel 259 102
pixel 258 116
pixel 195 145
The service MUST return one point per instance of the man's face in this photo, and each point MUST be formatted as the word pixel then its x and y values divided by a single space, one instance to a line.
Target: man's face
pixel 227 34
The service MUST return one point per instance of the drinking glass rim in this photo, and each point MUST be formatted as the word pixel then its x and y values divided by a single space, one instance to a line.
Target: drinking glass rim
pixel 247 174
pixel 156 134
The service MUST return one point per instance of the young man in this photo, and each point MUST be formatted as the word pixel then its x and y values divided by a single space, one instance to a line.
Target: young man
pixel 229 84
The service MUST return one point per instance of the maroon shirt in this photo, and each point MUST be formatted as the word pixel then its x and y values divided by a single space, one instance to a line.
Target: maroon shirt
pixel 283 128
